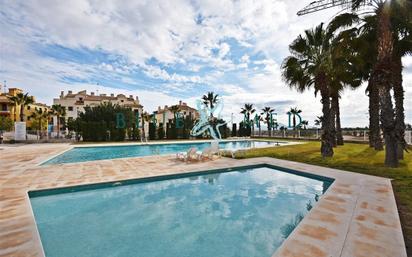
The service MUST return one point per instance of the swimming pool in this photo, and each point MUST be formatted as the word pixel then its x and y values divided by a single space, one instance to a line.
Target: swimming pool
pixel 241 212
pixel 82 154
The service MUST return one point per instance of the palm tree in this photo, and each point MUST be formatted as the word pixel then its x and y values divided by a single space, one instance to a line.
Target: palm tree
pixel 294 112
pixel 175 109
pixel 310 66
pixel 145 118
pixel 39 115
pixel 391 17
pixel 402 25
pixel 248 110
pixel 304 123
pixel 21 100
pixel 267 111
pixel 210 99
pixel 318 121
pixel 258 119
pixel 60 112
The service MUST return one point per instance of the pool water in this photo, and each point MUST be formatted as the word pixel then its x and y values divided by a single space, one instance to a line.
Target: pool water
pixel 241 213
pixel 82 154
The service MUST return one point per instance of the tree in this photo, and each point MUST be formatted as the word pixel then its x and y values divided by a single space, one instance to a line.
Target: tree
pixel 210 99
pixel 103 122
pixel 267 111
pixel 401 20
pixel 310 66
pixel 6 124
pixel 294 112
pixel 145 118
pixel 60 112
pixel 304 123
pixel 39 117
pixel 392 21
pixel 21 100
pixel 318 121
pixel 248 110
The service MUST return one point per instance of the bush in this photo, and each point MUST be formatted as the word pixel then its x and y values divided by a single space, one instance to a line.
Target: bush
pixel 6 124
pixel 100 123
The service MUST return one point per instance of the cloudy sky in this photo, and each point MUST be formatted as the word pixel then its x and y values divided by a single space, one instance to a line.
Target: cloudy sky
pixel 164 51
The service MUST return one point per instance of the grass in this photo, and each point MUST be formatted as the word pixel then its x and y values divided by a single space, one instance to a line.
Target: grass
pixel 358 158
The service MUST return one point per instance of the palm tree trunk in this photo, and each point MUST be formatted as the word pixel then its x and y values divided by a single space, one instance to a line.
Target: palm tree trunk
pixel 22 112
pixel 326 138
pixel 382 78
pixel 399 109
pixel 339 137
pixel 375 139
pixel 58 126
pixel 333 111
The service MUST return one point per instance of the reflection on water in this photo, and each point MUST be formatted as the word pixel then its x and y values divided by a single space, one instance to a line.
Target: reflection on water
pixel 239 214
pixel 81 154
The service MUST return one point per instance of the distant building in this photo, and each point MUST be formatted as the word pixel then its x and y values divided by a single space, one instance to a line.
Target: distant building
pixel 8 108
pixel 165 114
pixel 75 102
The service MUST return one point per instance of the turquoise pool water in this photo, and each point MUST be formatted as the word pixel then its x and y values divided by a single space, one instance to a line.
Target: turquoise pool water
pixel 246 212
pixel 82 154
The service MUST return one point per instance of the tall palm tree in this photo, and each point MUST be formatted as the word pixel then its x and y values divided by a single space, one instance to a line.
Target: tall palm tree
pixel 21 100
pixel 402 25
pixel 175 109
pixel 145 118
pixel 258 119
pixel 304 123
pixel 294 112
pixel 389 17
pixel 318 121
pixel 210 100
pixel 60 112
pixel 39 116
pixel 310 66
pixel 248 110
pixel 268 111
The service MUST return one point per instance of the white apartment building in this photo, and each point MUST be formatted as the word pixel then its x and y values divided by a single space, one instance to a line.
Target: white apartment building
pixel 165 115
pixel 75 102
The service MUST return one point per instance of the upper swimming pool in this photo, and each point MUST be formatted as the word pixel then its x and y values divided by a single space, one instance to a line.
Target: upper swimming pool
pixel 239 212
pixel 82 154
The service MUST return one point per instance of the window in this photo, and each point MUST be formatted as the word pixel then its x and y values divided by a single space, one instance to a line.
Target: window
pixel 28 107
pixel 121 101
pixel 70 108
pixel 4 107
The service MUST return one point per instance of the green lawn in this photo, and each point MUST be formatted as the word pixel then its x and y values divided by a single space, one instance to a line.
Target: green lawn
pixel 357 158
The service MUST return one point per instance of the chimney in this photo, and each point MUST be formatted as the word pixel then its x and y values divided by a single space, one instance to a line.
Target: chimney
pixel 92 93
pixel 103 95
pixel 180 102
pixel 61 94
pixel 158 109
pixel 131 96
pixel 165 107
pixel 112 95
pixel 70 92
pixel 137 98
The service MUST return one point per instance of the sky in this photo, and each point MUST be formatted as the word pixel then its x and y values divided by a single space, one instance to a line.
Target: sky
pixel 166 51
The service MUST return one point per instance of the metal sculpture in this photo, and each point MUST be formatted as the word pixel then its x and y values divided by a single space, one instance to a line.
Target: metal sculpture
pixel 209 120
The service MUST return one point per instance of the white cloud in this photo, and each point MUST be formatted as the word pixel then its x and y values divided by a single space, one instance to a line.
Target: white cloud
pixel 179 33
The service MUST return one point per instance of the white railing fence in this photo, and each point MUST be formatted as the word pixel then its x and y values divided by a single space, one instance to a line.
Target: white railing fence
pixel 348 135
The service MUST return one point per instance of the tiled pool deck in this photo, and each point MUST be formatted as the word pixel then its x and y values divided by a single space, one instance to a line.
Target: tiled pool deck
pixel 356 217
